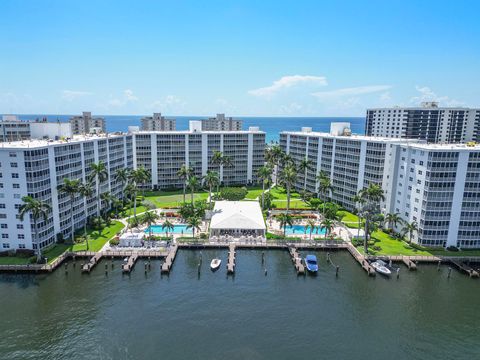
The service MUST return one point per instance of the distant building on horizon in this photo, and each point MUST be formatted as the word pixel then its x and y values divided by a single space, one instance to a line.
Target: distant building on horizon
pixel 157 122
pixel 427 122
pixel 14 129
pixel 86 124
pixel 221 123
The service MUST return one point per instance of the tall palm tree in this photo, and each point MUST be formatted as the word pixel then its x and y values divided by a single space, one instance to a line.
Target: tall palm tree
pixel 142 176
pixel 192 184
pixel 328 225
pixel 149 217
pixel 288 178
pixel 359 205
pixel 410 228
pixel 371 198
pixel 264 174
pixel 184 173
pixel 311 225
pixel 274 156
pixel 85 190
pixel 194 222
pixel 284 220
pixel 37 209
pixel 392 220
pixel 304 166
pixel 122 175
pixel 211 179
pixel 222 161
pixel 167 226
pixel 107 198
pixel 71 189
pixel 99 173
pixel 324 187
pixel 137 176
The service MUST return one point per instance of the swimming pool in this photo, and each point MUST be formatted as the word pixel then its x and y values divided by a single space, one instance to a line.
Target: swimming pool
pixel 177 229
pixel 300 230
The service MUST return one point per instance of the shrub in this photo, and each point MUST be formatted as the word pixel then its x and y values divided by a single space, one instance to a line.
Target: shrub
pixel 24 253
pixel 452 248
pixel 60 238
pixel 233 193
pixel 203 236
pixel 32 259
pixel 114 241
pixel 149 204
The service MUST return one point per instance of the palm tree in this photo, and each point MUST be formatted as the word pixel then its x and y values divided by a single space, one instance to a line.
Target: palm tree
pixel 324 187
pixel 211 179
pixel 264 174
pixel 371 198
pixel 194 222
pixel 359 204
pixel 142 176
pixel 288 178
pixel 274 156
pixel 328 225
pixel 106 197
pixel 311 225
pixel 99 173
pixel 284 220
pixel 393 219
pixel 192 184
pixel 149 217
pixel 137 176
pixel 410 228
pixel 37 209
pixel 122 175
pixel 85 190
pixel 71 188
pixel 304 166
pixel 168 226
pixel 222 161
pixel 184 173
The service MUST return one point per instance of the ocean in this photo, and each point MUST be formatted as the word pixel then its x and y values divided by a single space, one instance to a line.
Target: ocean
pixel 271 125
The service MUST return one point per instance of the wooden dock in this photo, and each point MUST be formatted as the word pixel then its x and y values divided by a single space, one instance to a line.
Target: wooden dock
pixel 231 259
pixel 128 266
pixel 409 263
pixel 361 260
pixel 172 253
pixel 465 268
pixel 93 261
pixel 297 260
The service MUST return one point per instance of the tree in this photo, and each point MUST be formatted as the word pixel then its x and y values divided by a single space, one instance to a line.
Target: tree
pixel 284 220
pixel 392 220
pixel 211 179
pixel 85 190
pixel 274 155
pixel 37 209
pixel 192 184
pixel 328 225
pixel 370 200
pixel 288 178
pixel 358 205
pixel 324 187
pixel 311 225
pixel 71 189
pixel 167 226
pixel 264 174
pixel 331 212
pixel 222 161
pixel 122 175
pixel 194 222
pixel 149 217
pixel 184 173
pixel 137 176
pixel 410 228
pixel 99 173
pixel 107 198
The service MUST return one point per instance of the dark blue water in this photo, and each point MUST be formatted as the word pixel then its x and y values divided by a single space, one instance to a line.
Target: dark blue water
pixel 271 125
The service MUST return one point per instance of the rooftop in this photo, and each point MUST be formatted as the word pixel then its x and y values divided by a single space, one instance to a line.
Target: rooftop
pixel 39 143
pixel 237 215
pixel 350 137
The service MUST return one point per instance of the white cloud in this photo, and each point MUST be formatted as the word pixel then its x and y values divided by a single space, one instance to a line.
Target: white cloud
pixel 169 103
pixel 427 94
pixel 129 95
pixel 292 108
pixel 71 95
pixel 353 91
pixel 288 82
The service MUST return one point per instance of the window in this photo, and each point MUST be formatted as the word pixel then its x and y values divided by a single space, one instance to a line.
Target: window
pixel 6 245
pixel 2 206
pixel 16 196
pixel 16 186
pixel 17 206
pixel 15 176
pixel 21 246
pixel 19 226
pixel 21 236
pixel 14 165
pixel 12 154
pixel 4 236
pixel 3 216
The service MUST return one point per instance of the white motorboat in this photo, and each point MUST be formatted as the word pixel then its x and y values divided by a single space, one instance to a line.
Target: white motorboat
pixel 381 267
pixel 215 264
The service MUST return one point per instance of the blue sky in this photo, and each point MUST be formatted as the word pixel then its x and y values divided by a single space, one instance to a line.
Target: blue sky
pixel 264 58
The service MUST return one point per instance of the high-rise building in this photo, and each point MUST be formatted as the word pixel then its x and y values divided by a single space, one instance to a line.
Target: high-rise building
pixel 221 123
pixel 157 122
pixel 164 152
pixel 86 124
pixel 13 129
pixel 428 122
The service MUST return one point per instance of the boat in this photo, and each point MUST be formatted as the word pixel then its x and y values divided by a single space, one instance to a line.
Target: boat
pixel 215 264
pixel 380 266
pixel 311 263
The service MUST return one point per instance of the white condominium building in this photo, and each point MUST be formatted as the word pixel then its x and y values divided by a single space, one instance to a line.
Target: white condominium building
pixel 428 122
pixel 37 167
pixel 86 124
pixel 221 123
pixel 13 129
pixel 164 152
pixel 351 161
pixel 438 187
pixel 157 122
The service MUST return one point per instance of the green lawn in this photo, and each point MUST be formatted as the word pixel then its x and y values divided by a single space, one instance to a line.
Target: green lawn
pixel 253 193
pixel 97 239
pixel 55 251
pixel 13 260
pixel 349 219
pixel 163 199
pixel 279 197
